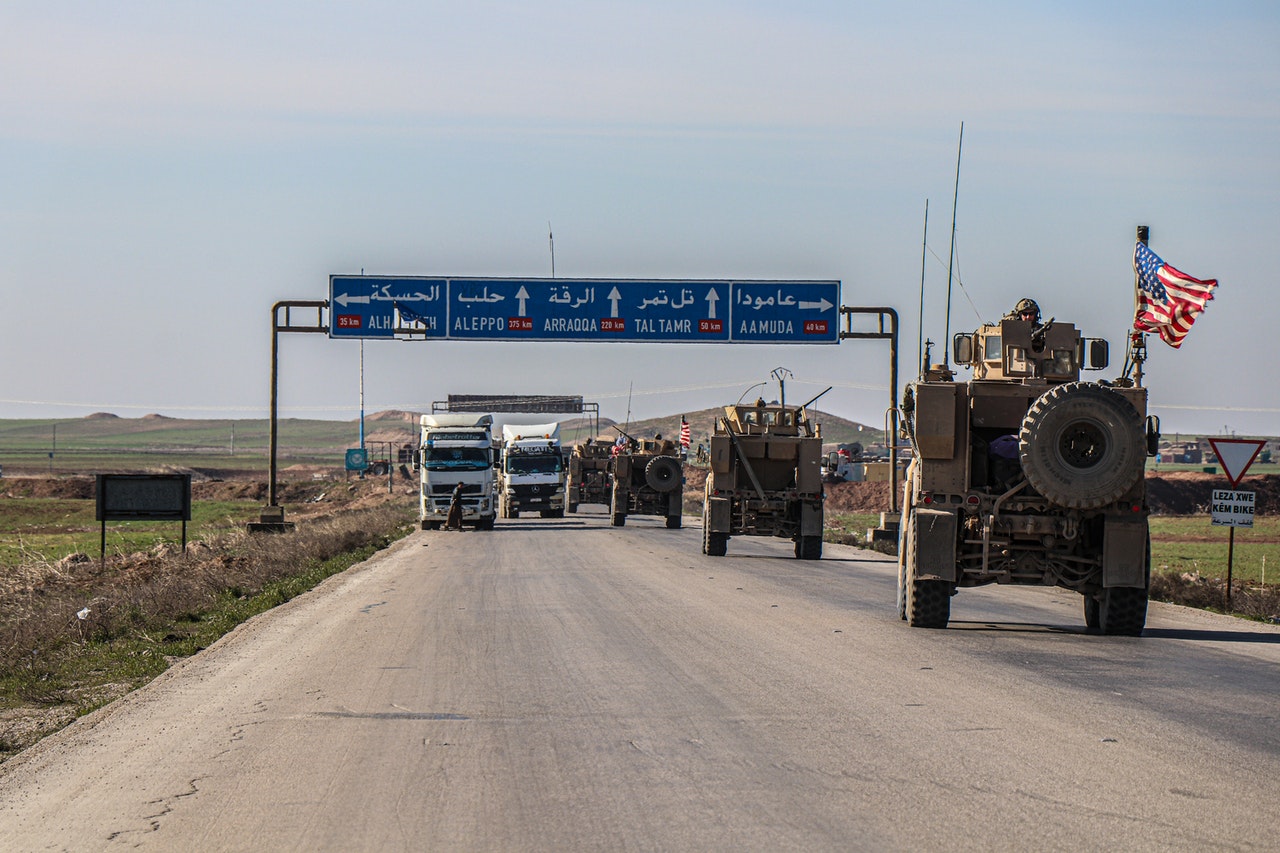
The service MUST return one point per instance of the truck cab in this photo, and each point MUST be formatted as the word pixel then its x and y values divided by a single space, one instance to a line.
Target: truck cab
pixel 532 472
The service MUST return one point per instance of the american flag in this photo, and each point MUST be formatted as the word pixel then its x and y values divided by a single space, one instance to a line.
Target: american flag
pixel 685 435
pixel 1168 300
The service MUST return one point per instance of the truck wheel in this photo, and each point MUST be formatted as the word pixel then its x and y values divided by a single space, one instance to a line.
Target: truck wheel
pixel 572 506
pixel 673 522
pixel 484 523
pixel 1082 445
pixel 714 544
pixel 513 513
pixel 619 519
pixel 808 547
pixel 928 604
pixel 1122 611
pixel 430 525
pixel 663 473
pixel 928 601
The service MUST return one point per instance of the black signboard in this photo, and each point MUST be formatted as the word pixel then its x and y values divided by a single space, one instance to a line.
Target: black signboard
pixel 144 497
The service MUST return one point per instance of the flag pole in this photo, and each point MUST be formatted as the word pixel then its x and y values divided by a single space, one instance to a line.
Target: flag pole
pixel 1137 347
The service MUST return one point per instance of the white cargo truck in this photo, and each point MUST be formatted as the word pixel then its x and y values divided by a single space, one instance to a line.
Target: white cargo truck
pixel 532 473
pixel 458 449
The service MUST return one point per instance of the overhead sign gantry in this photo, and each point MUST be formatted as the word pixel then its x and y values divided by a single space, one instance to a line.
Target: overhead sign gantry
pixel 559 309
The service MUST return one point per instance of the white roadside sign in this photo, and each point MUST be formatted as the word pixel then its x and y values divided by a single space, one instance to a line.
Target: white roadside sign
pixel 1233 508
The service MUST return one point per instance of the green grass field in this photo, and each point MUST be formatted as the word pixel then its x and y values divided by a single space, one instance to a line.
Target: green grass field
pixel 86 445
pixel 44 530
pixel 1178 544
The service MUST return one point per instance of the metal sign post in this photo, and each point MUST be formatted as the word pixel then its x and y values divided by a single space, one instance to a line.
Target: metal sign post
pixel 1230 507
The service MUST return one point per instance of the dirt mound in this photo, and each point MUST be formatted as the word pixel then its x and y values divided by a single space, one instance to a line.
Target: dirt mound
pixel 98 416
pixel 1189 492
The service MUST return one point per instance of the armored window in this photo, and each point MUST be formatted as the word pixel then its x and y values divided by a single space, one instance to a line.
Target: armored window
pixel 1018 364
pixel 993 343
pixel 1062 363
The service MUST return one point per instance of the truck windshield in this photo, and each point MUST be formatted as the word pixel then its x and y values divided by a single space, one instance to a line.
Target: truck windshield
pixel 457 459
pixel 533 464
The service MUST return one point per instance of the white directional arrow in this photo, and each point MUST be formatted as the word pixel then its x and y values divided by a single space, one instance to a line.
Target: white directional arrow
pixel 345 299
pixel 821 305
pixel 712 299
pixel 614 297
pixel 522 295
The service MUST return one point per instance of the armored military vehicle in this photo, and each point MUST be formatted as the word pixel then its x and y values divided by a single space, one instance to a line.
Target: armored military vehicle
pixel 589 479
pixel 1026 475
pixel 648 479
pixel 765 479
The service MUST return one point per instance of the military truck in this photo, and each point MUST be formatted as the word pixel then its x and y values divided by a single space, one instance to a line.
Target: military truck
pixel 765 479
pixel 590 481
pixel 1026 475
pixel 648 479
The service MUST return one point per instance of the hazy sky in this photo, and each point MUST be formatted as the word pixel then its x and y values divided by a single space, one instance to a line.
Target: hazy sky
pixel 169 170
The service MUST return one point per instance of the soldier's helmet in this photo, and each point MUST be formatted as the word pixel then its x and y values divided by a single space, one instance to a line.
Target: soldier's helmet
pixel 1027 306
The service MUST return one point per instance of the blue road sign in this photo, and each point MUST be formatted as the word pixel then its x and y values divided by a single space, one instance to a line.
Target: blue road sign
pixel 378 306
pixel 785 312
pixel 543 309
pixel 588 310
pixel 638 311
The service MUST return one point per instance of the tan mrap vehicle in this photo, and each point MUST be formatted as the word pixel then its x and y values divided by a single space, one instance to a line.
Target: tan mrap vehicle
pixel 765 479
pixel 1026 475
pixel 589 479
pixel 648 479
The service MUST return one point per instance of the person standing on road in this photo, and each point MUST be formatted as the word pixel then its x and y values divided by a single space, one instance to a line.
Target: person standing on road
pixel 453 521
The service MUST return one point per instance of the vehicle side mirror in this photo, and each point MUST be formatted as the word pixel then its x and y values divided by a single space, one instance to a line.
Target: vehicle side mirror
pixel 962 348
pixel 1153 435
pixel 1099 354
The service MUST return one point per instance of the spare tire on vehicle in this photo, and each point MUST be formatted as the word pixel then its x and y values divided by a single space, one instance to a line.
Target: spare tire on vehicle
pixel 1081 445
pixel 663 473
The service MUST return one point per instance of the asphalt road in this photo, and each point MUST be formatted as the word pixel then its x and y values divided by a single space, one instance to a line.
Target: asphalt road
pixel 567 685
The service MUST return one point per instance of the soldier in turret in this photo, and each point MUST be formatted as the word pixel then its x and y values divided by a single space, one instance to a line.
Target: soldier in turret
pixel 1026 309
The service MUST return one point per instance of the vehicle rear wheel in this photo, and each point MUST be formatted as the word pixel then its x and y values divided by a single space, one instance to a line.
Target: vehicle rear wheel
pixel 673 522
pixel 1082 445
pixel 1122 611
pixel 714 544
pixel 808 547
pixel 619 519
pixel 928 603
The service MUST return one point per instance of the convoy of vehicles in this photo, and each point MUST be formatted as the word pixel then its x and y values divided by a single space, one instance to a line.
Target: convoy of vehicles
pixel 1026 475
pixel 531 475
pixel 648 479
pixel 457 448
pixel 1022 475
pixel 765 479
